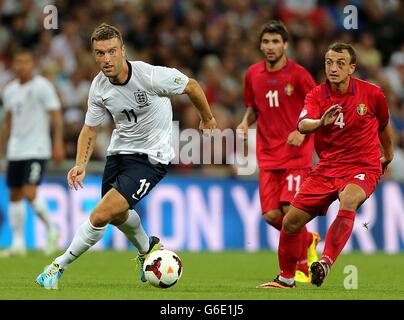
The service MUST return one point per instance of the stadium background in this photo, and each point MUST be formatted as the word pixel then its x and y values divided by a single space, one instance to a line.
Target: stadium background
pixel 203 207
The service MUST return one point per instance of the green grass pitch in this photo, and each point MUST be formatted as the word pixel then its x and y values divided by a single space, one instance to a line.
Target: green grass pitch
pixel 207 276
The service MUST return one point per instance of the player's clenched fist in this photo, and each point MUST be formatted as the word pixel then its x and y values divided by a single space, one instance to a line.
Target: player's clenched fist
pixel 206 126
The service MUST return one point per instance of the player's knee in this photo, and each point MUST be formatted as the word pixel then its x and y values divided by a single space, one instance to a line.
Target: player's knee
pixel 29 192
pixel 291 225
pixel 100 218
pixel 273 217
pixel 349 201
pixel 117 221
pixel 30 196
pixel 16 194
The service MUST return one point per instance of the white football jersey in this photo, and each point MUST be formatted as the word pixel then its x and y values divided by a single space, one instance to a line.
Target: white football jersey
pixel 141 109
pixel 29 104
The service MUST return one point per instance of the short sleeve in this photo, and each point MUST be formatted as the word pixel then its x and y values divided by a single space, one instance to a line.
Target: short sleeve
pixel 48 96
pixel 381 110
pixel 248 92
pixel 311 108
pixel 167 81
pixel 96 110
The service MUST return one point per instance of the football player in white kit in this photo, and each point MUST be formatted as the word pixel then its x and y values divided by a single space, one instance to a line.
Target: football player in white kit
pixel 137 96
pixel 32 107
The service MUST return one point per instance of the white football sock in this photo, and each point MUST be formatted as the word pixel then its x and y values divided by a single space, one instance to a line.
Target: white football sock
pixel 41 210
pixel 134 231
pixel 17 222
pixel 287 280
pixel 86 236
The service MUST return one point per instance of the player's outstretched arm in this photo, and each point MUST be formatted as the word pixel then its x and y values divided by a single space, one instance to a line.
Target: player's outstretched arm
pixel 386 137
pixel 58 151
pixel 198 98
pixel 85 147
pixel 330 115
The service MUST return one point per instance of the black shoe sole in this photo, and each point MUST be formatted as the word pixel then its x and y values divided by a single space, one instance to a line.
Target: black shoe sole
pixel 317 273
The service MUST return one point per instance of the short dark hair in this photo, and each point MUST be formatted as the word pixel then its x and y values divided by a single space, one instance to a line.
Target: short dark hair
pixel 22 50
pixel 339 46
pixel 105 32
pixel 275 26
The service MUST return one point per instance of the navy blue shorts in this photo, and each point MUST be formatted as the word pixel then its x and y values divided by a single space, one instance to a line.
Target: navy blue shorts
pixel 133 175
pixel 23 172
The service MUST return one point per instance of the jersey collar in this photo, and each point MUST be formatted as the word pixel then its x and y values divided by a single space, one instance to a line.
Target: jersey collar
pixel 328 92
pixel 264 67
pixel 128 78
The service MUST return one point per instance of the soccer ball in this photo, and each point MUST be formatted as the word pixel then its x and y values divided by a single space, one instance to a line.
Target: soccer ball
pixel 163 268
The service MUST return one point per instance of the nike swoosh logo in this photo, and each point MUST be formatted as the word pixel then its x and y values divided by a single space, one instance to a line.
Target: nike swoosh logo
pixel 73 254
pixel 103 100
pixel 134 197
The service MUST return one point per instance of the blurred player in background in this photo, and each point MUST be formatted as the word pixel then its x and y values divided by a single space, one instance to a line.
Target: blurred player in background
pixel 351 121
pixel 32 110
pixel 137 96
pixel 274 93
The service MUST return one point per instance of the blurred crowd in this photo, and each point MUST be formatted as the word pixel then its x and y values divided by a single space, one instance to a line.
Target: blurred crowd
pixel 213 41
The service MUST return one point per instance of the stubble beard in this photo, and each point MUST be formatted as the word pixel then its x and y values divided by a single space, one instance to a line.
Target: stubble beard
pixel 274 60
pixel 114 77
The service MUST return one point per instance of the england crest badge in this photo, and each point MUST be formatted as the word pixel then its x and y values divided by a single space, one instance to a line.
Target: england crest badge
pixel 141 98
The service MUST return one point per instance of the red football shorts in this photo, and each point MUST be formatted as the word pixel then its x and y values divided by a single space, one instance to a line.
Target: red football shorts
pixel 318 191
pixel 278 187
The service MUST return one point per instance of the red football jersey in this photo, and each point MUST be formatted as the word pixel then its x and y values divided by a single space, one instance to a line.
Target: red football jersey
pixel 278 98
pixel 352 143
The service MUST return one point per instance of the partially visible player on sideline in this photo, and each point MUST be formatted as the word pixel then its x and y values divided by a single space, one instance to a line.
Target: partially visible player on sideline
pixel 274 93
pixel 351 121
pixel 137 95
pixel 32 110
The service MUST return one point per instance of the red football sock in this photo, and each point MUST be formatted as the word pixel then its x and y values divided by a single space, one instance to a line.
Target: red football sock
pixel 302 262
pixel 289 251
pixel 338 235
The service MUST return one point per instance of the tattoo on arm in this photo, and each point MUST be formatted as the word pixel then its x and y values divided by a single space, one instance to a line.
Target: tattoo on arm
pixel 88 149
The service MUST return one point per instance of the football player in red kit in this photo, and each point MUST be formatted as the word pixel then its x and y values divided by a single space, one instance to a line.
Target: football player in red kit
pixel 351 120
pixel 274 93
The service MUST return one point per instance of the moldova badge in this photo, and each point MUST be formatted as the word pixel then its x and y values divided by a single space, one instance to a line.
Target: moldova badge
pixel 361 109
pixel 289 89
